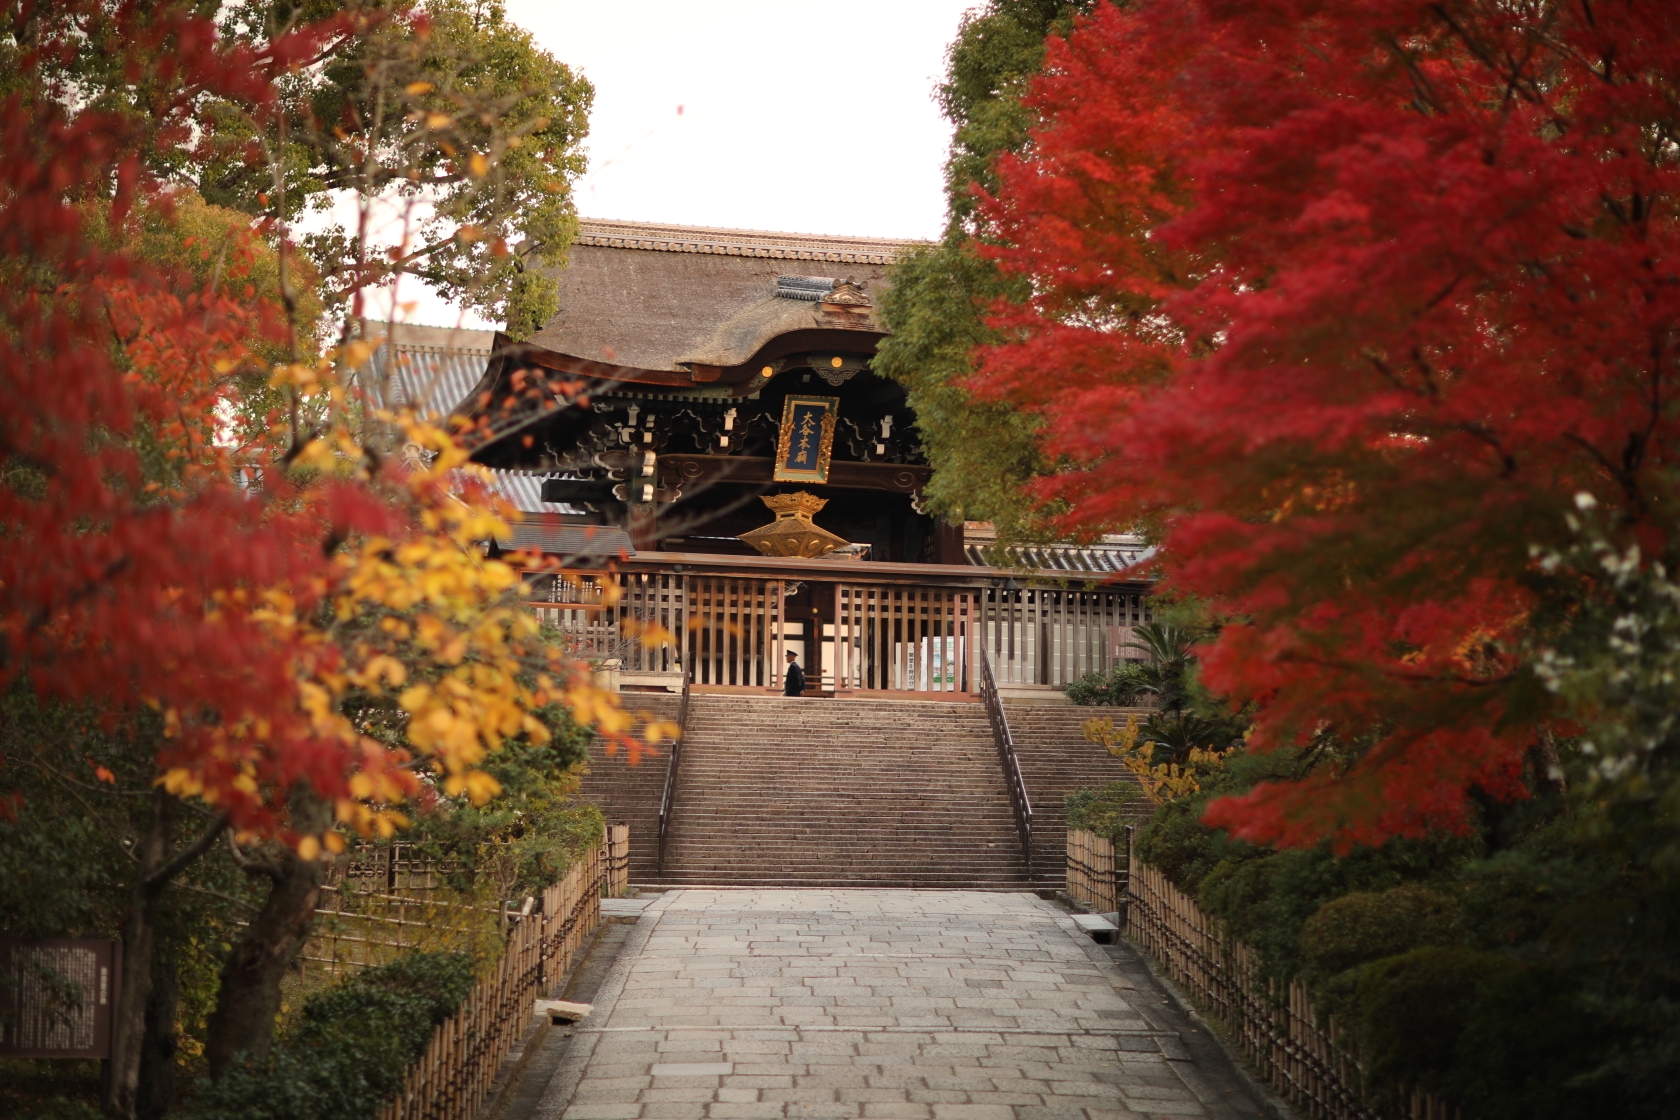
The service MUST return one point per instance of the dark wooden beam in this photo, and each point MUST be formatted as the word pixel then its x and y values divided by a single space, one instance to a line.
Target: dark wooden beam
pixel 897 478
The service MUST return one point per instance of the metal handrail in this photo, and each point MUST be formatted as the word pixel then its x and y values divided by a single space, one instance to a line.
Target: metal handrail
pixel 1012 776
pixel 668 798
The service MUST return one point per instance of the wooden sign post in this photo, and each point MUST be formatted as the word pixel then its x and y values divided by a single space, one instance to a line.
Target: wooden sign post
pixel 57 997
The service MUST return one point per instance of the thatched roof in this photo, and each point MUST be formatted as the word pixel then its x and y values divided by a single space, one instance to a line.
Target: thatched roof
pixel 668 298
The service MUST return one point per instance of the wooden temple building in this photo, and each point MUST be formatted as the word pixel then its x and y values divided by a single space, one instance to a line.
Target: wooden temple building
pixel 700 424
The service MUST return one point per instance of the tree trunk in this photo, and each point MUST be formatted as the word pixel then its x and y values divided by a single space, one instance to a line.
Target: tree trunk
pixel 1543 757
pixel 134 1014
pixel 157 1054
pixel 128 1019
pixel 242 1026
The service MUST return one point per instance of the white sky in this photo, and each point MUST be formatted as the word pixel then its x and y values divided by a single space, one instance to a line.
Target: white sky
pixel 797 115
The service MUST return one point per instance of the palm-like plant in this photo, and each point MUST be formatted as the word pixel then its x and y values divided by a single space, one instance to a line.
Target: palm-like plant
pixel 1168 648
pixel 1179 733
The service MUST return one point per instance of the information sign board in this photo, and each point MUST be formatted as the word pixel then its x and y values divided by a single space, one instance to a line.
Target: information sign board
pixel 57 997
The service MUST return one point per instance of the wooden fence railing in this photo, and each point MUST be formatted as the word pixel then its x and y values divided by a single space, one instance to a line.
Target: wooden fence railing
pixel 450 1080
pixel 881 635
pixel 361 929
pixel 384 901
pixel 618 859
pixel 1094 878
pixel 1304 1055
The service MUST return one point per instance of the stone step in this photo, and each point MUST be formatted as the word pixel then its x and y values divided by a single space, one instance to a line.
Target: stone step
pixel 855 793
pixel 851 792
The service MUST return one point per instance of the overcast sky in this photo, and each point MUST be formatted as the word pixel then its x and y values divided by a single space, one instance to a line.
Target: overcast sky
pixel 796 115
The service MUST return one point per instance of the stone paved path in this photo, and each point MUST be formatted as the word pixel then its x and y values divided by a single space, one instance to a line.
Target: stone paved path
pixel 949 1005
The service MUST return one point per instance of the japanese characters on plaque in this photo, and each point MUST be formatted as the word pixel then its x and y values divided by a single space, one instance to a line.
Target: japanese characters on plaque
pixel 56 997
pixel 807 439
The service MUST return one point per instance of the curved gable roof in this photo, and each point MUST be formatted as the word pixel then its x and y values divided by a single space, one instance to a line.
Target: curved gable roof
pixel 664 298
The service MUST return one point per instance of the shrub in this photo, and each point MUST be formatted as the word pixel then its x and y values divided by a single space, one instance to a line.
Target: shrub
pixel 1503 1040
pixel 1123 686
pixel 1265 898
pixel 1367 926
pixel 1529 1044
pixel 1177 843
pixel 1412 1010
pixel 1103 811
pixel 350 1051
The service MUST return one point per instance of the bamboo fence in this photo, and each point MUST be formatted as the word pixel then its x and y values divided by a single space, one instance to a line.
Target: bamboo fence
pixel 359 926
pixel 1094 877
pixel 451 1079
pixel 618 859
pixel 385 901
pixel 1307 1057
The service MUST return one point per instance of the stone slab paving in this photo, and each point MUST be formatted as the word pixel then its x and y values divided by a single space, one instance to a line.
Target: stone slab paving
pixel 945 1005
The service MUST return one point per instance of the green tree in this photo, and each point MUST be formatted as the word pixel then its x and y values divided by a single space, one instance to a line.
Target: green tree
pixel 83 819
pixel 457 118
pixel 981 452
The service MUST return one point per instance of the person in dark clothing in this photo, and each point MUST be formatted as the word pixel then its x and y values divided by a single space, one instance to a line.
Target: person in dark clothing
pixel 794 683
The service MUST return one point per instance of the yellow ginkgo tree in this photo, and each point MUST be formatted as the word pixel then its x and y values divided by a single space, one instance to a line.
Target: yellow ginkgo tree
pixel 1160 782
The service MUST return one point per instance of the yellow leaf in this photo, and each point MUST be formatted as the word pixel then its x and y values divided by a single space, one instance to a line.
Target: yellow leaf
pixel 308 849
pixel 415 89
pixel 657 731
pixel 478 167
pixel 654 635
pixel 438 121
pixel 182 783
pixel 481 787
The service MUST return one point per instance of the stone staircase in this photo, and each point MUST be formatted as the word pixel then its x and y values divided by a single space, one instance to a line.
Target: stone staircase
pixel 630 794
pixel 818 792
pixel 1056 759
pixel 850 792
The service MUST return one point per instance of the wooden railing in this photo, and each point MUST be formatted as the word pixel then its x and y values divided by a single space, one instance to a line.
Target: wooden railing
pixel 451 1079
pixel 1012 777
pixel 667 799
pixel 889 634
pixel 1306 1056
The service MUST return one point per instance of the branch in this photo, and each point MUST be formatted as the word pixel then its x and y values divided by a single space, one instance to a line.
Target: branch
pixel 43 614
pixel 254 865
pixel 223 895
pixel 186 855
pixel 1480 51
pixel 70 786
pixel 1481 432
pixel 1621 477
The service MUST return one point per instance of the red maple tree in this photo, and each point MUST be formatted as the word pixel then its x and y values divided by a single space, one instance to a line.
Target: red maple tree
pixel 116 586
pixel 1351 300
pixel 138 565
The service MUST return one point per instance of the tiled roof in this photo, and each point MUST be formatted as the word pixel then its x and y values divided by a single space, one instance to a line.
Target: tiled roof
pixel 524 490
pixel 433 369
pixel 568 540
pixel 1113 553
pixel 739 242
